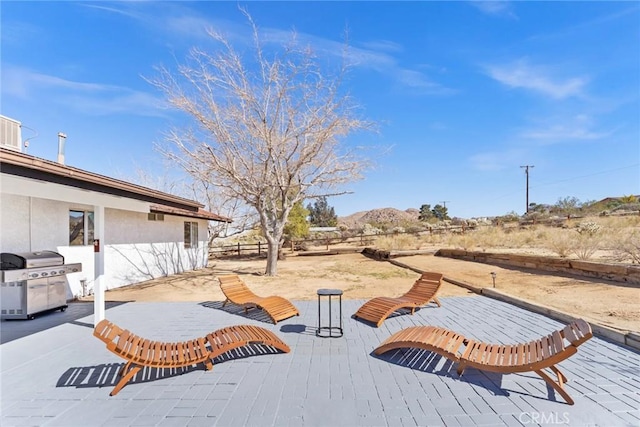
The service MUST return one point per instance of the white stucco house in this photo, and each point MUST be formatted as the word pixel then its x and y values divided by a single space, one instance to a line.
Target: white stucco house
pixel 120 232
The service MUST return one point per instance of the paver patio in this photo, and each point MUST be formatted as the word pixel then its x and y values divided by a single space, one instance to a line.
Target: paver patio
pixel 55 373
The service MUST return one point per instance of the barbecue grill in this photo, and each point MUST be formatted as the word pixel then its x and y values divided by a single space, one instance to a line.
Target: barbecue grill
pixel 33 282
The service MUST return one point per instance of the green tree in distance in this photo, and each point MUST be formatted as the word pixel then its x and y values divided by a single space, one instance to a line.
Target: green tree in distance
pixel 425 213
pixel 440 212
pixel 321 214
pixel 297 225
pixel 568 206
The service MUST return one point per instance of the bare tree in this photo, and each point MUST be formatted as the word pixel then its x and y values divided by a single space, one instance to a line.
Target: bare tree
pixel 213 198
pixel 269 128
pixel 218 200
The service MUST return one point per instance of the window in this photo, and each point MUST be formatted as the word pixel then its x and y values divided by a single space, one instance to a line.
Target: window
pixel 190 234
pixel 80 228
pixel 155 216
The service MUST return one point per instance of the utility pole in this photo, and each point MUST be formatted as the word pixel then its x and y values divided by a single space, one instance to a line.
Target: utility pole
pixel 444 203
pixel 526 171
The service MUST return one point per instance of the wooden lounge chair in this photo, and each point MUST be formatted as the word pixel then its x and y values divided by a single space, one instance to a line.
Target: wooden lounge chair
pixel 140 352
pixel 237 292
pixel 535 356
pixel 422 292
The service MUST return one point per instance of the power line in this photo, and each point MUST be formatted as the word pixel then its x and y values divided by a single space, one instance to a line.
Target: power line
pixel 586 176
pixel 570 179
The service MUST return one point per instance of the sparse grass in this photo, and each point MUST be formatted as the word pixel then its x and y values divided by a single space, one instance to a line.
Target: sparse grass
pixel 356 270
pixel 581 238
pixel 400 242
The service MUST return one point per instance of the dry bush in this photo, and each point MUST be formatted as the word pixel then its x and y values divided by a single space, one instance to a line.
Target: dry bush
pixel 398 242
pixel 561 242
pixel 626 245
pixel 463 241
pixel 433 239
pixel 483 237
pixel 585 245
pixel 630 221
pixel 582 238
pixel 492 237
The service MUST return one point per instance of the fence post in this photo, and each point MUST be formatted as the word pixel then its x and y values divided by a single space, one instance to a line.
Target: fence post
pixel 258 247
pixel 238 248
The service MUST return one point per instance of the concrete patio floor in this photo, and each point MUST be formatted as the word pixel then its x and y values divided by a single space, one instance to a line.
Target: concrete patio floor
pixel 55 373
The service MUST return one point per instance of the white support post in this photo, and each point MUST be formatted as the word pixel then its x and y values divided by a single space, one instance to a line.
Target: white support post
pixel 98 284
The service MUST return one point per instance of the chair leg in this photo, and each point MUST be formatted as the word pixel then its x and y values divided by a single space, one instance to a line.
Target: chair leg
pixel 561 377
pixel 437 301
pixel 125 379
pixel 558 386
pixel 461 368
pixel 125 368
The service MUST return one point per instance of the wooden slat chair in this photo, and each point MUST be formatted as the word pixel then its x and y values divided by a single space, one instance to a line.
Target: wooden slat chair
pixel 237 292
pixel 140 352
pixel 535 356
pixel 422 292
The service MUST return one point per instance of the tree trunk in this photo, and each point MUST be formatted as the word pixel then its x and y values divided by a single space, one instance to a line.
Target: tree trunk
pixel 272 258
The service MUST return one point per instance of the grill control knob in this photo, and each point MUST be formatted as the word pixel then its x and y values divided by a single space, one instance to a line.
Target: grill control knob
pixel 61 271
pixel 44 273
pixel 34 275
pixel 53 273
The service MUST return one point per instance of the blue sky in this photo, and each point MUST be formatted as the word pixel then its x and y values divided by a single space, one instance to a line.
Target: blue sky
pixel 464 93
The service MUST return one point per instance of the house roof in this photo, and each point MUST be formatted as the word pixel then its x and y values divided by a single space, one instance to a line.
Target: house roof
pixel 200 213
pixel 28 166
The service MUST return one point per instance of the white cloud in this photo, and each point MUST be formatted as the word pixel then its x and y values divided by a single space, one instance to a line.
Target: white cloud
pixel 497 160
pixel 495 8
pixel 85 97
pixel 375 55
pixel 521 74
pixel 486 161
pixel 565 129
pixel 383 45
pixel 176 20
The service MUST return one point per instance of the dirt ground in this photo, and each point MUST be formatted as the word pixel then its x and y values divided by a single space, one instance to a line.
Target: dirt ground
pixel 603 302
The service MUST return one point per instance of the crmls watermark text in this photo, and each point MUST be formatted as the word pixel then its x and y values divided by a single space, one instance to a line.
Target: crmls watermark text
pixel 544 418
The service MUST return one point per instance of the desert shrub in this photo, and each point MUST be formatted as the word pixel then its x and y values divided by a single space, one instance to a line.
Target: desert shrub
pixel 620 222
pixel 588 240
pixel 561 243
pixel 627 207
pixel 484 237
pixel 433 238
pixel 627 245
pixel 398 242
pixel 368 229
pixel 464 241
pixel 585 245
pixel 588 228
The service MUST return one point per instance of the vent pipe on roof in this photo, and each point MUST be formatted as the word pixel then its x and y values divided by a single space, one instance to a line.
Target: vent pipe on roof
pixel 61 140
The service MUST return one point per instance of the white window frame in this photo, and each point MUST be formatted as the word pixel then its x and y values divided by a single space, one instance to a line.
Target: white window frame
pixel 87 231
pixel 190 234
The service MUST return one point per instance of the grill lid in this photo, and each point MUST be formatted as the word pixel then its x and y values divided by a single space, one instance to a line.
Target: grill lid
pixel 21 260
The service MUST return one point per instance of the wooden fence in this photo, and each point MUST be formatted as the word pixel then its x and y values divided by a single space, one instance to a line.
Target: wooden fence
pixel 259 248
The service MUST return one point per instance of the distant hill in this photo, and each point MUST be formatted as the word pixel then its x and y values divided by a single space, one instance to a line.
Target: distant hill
pixel 387 216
